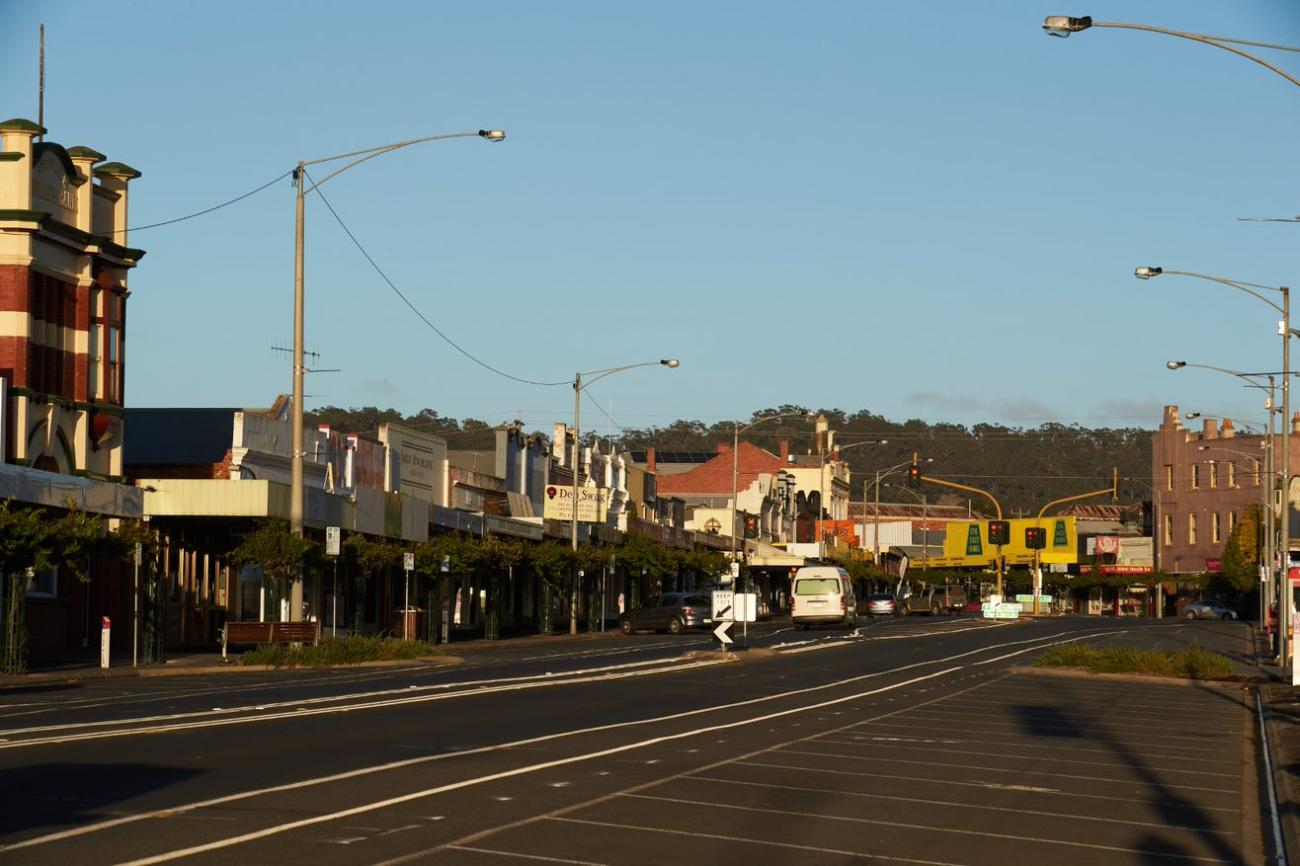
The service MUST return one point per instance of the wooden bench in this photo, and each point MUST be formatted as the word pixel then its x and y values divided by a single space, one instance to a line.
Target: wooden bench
pixel 262 633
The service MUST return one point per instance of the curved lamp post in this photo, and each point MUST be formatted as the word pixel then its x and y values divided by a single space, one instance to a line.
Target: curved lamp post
pixel 881 475
pixel 1284 331
pixel 578 387
pixel 1270 531
pixel 301 190
pixel 1063 26
pixel 821 494
pixel 736 430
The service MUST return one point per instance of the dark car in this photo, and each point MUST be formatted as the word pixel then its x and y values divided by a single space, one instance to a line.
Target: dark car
pixel 673 612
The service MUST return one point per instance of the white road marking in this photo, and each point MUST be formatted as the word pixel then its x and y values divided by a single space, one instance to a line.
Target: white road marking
pixel 948 782
pixel 932 827
pixel 1017 810
pixel 408 762
pixel 520 856
pixel 839 852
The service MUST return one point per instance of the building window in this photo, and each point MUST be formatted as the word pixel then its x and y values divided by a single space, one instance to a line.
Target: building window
pixel 43 584
pixel 1215 534
pixel 1169 530
pixel 1232 522
pixel 1232 474
pixel 1196 476
pixel 1191 529
pixel 1256 472
pixel 1214 474
pixel 1169 476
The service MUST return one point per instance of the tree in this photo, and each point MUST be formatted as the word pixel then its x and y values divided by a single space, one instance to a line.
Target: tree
pixel 371 557
pixel 275 550
pixel 1240 570
pixel 32 540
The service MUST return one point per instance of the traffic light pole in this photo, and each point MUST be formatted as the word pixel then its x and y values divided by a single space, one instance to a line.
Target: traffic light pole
pixel 915 473
pixel 1113 490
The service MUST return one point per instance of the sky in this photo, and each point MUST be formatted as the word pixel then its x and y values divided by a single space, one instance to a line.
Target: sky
pixel 922 210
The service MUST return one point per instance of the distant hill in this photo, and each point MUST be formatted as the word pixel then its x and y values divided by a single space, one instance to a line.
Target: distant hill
pixel 1023 467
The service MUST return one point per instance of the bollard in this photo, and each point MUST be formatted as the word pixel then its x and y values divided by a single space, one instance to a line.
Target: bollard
pixel 105 630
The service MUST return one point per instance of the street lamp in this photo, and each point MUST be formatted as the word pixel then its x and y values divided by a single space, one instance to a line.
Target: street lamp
pixel 821 493
pixel 1284 331
pixel 882 474
pixel 301 190
pixel 1064 25
pixel 1269 472
pixel 578 388
pixel 736 430
pixel 925 522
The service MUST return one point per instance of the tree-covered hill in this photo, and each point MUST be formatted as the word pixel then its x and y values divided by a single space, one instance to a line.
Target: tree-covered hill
pixel 1023 467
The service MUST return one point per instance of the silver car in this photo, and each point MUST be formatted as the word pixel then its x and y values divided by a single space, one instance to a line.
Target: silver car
pixel 673 612
pixel 1208 610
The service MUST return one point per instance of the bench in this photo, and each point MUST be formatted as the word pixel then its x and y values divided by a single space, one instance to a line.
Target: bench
pixel 262 633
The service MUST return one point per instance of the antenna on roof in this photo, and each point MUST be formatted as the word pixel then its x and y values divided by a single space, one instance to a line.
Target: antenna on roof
pixel 40 97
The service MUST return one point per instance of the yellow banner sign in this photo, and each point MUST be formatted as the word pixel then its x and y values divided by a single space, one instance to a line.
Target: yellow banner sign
pixel 967 543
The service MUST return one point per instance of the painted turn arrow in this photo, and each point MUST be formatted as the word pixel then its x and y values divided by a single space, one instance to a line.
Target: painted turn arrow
pixel 721 632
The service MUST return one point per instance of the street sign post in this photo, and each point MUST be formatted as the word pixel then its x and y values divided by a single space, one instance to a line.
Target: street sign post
pixel 333 537
pixel 723 615
pixel 105 632
pixel 135 606
pixel 408 565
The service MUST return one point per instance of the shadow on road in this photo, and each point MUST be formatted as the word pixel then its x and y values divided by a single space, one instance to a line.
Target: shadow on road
pixel 65 795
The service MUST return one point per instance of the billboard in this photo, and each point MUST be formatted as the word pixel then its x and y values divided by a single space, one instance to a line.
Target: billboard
pixel 967 542
pixel 593 503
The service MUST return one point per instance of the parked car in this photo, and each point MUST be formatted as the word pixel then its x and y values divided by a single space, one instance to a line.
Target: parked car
pixel 934 600
pixel 822 594
pixel 882 604
pixel 673 612
pixel 1208 610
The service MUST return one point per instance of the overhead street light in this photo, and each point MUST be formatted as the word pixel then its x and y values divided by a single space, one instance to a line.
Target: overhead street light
pixel 1147 273
pixel 299 303
pixel 578 388
pixel 1063 25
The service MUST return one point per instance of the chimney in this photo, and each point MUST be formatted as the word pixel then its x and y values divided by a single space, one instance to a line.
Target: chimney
pixel 1227 431
pixel 650 459
pixel 1209 429
pixel 785 451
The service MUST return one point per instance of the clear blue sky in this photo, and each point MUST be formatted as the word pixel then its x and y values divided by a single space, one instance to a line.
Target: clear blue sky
pixel 928 210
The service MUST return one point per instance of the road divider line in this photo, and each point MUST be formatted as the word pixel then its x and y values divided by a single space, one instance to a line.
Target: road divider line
pixel 409 762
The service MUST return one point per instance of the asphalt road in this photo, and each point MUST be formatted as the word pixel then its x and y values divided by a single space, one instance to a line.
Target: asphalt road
pixel 908 741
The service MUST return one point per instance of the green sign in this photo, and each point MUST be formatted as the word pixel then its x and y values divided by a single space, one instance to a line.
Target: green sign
pixel 973 545
pixel 1059 536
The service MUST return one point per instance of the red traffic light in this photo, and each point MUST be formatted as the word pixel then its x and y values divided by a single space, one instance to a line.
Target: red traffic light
pixel 1035 537
pixel 999 532
pixel 914 475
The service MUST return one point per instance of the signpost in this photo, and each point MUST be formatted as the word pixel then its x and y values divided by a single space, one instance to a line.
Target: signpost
pixel 444 599
pixel 333 536
pixel 408 565
pixel 135 607
pixel 723 603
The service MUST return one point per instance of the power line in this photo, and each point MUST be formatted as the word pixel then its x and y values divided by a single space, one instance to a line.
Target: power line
pixel 205 210
pixel 448 340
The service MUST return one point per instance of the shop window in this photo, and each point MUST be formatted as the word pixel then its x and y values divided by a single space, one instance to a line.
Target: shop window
pixel 43 584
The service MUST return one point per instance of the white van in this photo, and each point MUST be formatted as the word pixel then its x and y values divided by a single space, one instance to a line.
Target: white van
pixel 822 594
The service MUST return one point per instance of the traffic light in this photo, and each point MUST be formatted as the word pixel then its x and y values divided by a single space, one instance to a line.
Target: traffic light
pixel 751 526
pixel 999 532
pixel 1035 537
pixel 914 476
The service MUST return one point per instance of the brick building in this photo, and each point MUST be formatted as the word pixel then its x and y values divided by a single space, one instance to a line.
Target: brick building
pixel 63 288
pixel 1202 484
